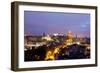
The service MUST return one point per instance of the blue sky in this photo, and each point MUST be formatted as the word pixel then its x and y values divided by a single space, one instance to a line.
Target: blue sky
pixel 37 23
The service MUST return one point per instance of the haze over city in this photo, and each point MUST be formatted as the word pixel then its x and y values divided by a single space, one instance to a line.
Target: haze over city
pixel 37 23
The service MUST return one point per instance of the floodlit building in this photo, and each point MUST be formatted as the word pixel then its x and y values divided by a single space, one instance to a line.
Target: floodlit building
pixel 69 38
pixel 48 38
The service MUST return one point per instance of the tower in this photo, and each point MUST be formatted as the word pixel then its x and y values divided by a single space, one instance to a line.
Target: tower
pixel 69 38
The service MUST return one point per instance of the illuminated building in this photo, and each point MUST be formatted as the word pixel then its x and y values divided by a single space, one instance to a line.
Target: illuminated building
pixel 69 38
pixel 58 34
pixel 48 38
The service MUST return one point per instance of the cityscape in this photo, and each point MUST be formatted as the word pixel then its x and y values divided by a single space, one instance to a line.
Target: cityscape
pixel 66 41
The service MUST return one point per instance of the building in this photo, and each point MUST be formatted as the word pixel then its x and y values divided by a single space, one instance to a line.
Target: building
pixel 47 38
pixel 69 38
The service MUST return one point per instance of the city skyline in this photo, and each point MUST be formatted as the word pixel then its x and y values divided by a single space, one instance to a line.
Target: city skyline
pixel 37 23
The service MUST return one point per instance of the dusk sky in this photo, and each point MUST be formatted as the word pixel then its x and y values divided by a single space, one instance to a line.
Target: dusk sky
pixel 37 23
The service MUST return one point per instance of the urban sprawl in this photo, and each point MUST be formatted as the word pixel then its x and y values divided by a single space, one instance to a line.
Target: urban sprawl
pixel 56 47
